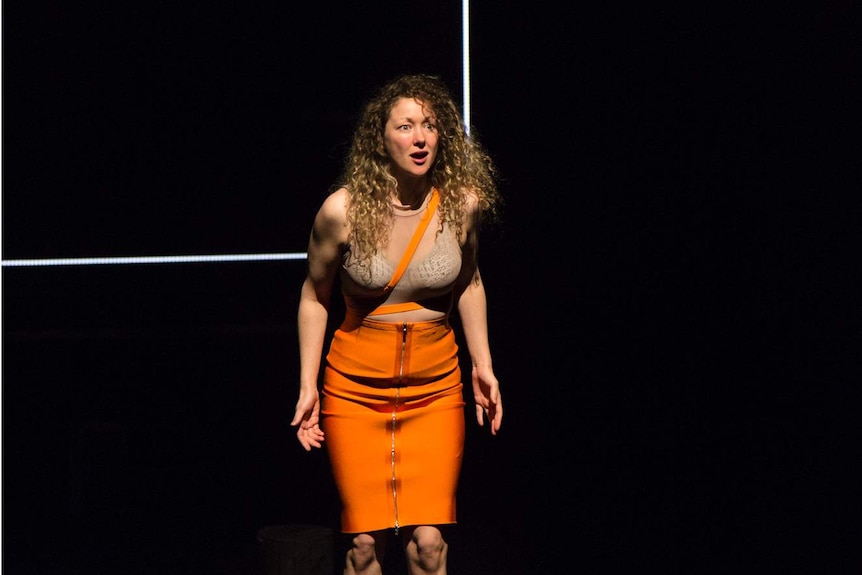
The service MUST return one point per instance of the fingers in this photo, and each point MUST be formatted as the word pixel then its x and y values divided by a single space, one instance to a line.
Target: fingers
pixel 480 411
pixel 310 436
pixel 493 413
pixel 497 420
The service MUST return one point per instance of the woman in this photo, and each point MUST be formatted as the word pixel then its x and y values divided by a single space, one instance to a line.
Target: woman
pixel 400 235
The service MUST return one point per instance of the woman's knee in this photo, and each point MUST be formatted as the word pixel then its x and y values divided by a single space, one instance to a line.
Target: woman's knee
pixel 363 551
pixel 427 547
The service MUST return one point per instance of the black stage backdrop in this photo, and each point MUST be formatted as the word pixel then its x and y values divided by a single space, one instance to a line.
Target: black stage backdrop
pixel 670 301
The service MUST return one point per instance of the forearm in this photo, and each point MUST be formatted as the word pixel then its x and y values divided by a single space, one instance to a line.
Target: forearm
pixel 472 309
pixel 312 320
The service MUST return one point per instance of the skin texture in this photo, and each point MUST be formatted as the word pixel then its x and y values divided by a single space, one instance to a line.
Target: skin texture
pixel 410 139
pixel 407 151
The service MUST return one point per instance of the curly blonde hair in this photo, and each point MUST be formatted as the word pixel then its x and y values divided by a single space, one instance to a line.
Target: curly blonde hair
pixel 462 166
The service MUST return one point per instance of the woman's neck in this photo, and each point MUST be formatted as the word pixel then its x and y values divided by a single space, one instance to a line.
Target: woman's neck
pixel 413 195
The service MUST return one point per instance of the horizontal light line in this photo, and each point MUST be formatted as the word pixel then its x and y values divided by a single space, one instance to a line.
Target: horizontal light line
pixel 163 332
pixel 153 259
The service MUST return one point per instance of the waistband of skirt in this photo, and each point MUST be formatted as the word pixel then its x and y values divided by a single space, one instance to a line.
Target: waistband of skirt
pixel 395 326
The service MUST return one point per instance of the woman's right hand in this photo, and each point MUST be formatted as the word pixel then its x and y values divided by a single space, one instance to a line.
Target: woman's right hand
pixel 307 420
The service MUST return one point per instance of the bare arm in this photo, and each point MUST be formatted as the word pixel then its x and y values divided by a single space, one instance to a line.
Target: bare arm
pixel 473 312
pixel 328 235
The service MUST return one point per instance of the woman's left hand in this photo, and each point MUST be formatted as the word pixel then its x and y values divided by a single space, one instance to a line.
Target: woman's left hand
pixel 489 402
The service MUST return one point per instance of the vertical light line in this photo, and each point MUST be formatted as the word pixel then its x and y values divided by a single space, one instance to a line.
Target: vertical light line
pixel 465 63
pixel 465 59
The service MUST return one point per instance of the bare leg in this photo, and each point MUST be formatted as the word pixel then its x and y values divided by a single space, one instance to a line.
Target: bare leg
pixel 366 554
pixel 426 552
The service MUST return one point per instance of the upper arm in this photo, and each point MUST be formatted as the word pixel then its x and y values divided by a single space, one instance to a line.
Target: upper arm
pixel 469 247
pixel 326 243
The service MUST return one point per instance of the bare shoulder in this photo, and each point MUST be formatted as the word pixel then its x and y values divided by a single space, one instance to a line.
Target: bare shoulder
pixel 472 208
pixel 331 219
pixel 471 213
pixel 335 205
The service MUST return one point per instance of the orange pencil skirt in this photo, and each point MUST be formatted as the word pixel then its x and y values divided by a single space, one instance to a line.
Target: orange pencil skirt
pixel 393 413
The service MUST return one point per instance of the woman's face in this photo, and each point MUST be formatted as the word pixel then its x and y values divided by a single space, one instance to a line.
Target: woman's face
pixel 410 138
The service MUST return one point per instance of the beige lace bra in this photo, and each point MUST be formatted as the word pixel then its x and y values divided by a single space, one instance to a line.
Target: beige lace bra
pixel 430 273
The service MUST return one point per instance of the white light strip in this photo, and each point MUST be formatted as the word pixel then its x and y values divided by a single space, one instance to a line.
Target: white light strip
pixel 465 57
pixel 153 259
pixel 465 25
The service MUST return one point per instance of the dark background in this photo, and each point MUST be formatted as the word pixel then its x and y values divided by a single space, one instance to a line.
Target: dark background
pixel 671 305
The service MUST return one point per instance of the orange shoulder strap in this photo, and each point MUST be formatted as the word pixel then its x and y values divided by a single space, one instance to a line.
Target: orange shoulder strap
pixel 414 242
pixel 396 308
